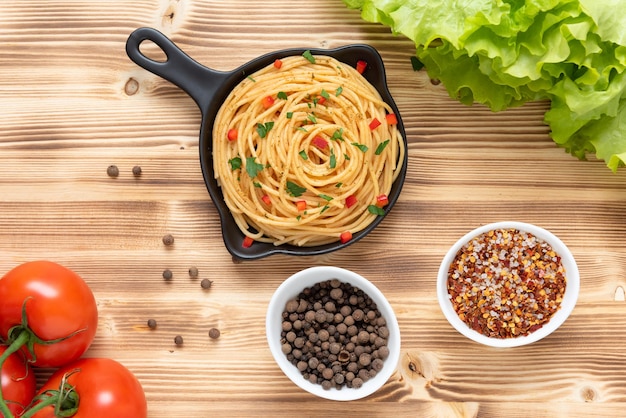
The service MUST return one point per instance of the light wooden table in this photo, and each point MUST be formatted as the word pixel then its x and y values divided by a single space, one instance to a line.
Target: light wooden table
pixel 72 103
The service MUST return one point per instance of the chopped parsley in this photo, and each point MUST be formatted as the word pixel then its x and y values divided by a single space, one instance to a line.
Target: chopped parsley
pixel 303 155
pixel 252 167
pixel 362 147
pixel 282 95
pixel 295 190
pixel 375 210
pixel 235 163
pixel 337 135
pixel 312 118
pixel 325 94
pixel 289 115
pixel 333 159
pixel 338 91
pixel 381 146
pixel 263 129
pixel 307 54
pixel 326 197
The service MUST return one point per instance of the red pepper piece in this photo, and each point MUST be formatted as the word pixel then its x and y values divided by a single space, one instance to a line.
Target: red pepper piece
pixel 351 201
pixel 267 102
pixel 361 66
pixel 375 123
pixel 345 236
pixel 266 199
pixel 392 119
pixel 301 205
pixel 247 242
pixel 232 134
pixel 321 100
pixel 278 63
pixel 320 142
pixel 382 200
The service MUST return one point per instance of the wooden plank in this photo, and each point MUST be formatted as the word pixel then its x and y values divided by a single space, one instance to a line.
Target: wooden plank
pixel 72 103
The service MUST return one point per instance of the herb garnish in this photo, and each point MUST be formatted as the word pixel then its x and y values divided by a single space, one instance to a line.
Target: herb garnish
pixel 362 147
pixel 295 190
pixel 375 210
pixel 337 135
pixel 263 129
pixel 252 167
pixel 381 147
pixel 235 163
pixel 307 54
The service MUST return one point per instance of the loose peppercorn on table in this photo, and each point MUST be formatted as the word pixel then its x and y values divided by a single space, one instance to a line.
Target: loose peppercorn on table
pixel 73 106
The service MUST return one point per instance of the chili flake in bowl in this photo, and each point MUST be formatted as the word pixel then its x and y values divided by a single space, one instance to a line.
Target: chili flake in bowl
pixel 508 284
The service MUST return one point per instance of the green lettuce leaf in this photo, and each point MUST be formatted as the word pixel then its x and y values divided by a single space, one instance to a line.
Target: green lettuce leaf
pixel 504 53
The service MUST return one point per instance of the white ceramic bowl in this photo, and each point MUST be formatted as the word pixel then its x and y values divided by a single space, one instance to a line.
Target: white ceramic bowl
pixel 289 289
pixel 569 298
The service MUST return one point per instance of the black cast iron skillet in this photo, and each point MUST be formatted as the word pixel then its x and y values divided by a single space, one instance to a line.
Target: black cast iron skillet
pixel 209 88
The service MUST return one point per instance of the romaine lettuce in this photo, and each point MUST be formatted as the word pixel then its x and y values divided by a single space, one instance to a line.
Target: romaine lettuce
pixel 504 53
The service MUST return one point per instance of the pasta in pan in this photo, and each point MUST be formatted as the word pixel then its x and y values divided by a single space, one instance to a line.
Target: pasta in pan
pixel 305 152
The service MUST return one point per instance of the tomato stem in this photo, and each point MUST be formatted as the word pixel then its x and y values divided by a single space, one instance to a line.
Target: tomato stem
pixel 15 345
pixel 51 400
pixel 18 337
pixel 65 400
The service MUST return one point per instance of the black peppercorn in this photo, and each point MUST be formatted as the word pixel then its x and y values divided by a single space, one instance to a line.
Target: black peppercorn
pixel 152 323
pixel 214 333
pixel 291 306
pixel 178 340
pixel 168 239
pixel 167 274
pixel 136 170
pixel 335 335
pixel 193 271
pixel 206 283
pixel 113 171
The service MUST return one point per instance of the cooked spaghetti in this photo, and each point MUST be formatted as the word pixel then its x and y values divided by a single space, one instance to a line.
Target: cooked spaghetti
pixel 306 152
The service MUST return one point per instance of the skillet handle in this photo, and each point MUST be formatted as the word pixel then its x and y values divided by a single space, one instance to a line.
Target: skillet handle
pixel 195 79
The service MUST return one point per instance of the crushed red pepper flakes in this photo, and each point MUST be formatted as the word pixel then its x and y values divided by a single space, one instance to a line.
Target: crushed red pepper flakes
pixel 506 283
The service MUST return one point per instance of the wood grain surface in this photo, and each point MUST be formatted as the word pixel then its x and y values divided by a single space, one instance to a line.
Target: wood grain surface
pixel 72 103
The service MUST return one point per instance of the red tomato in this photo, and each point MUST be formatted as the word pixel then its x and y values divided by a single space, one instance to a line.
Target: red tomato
pixel 105 389
pixel 59 304
pixel 18 382
pixel 247 242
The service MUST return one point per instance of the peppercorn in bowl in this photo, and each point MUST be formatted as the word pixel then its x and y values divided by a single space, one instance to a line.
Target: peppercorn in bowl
pixel 333 333
pixel 508 284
